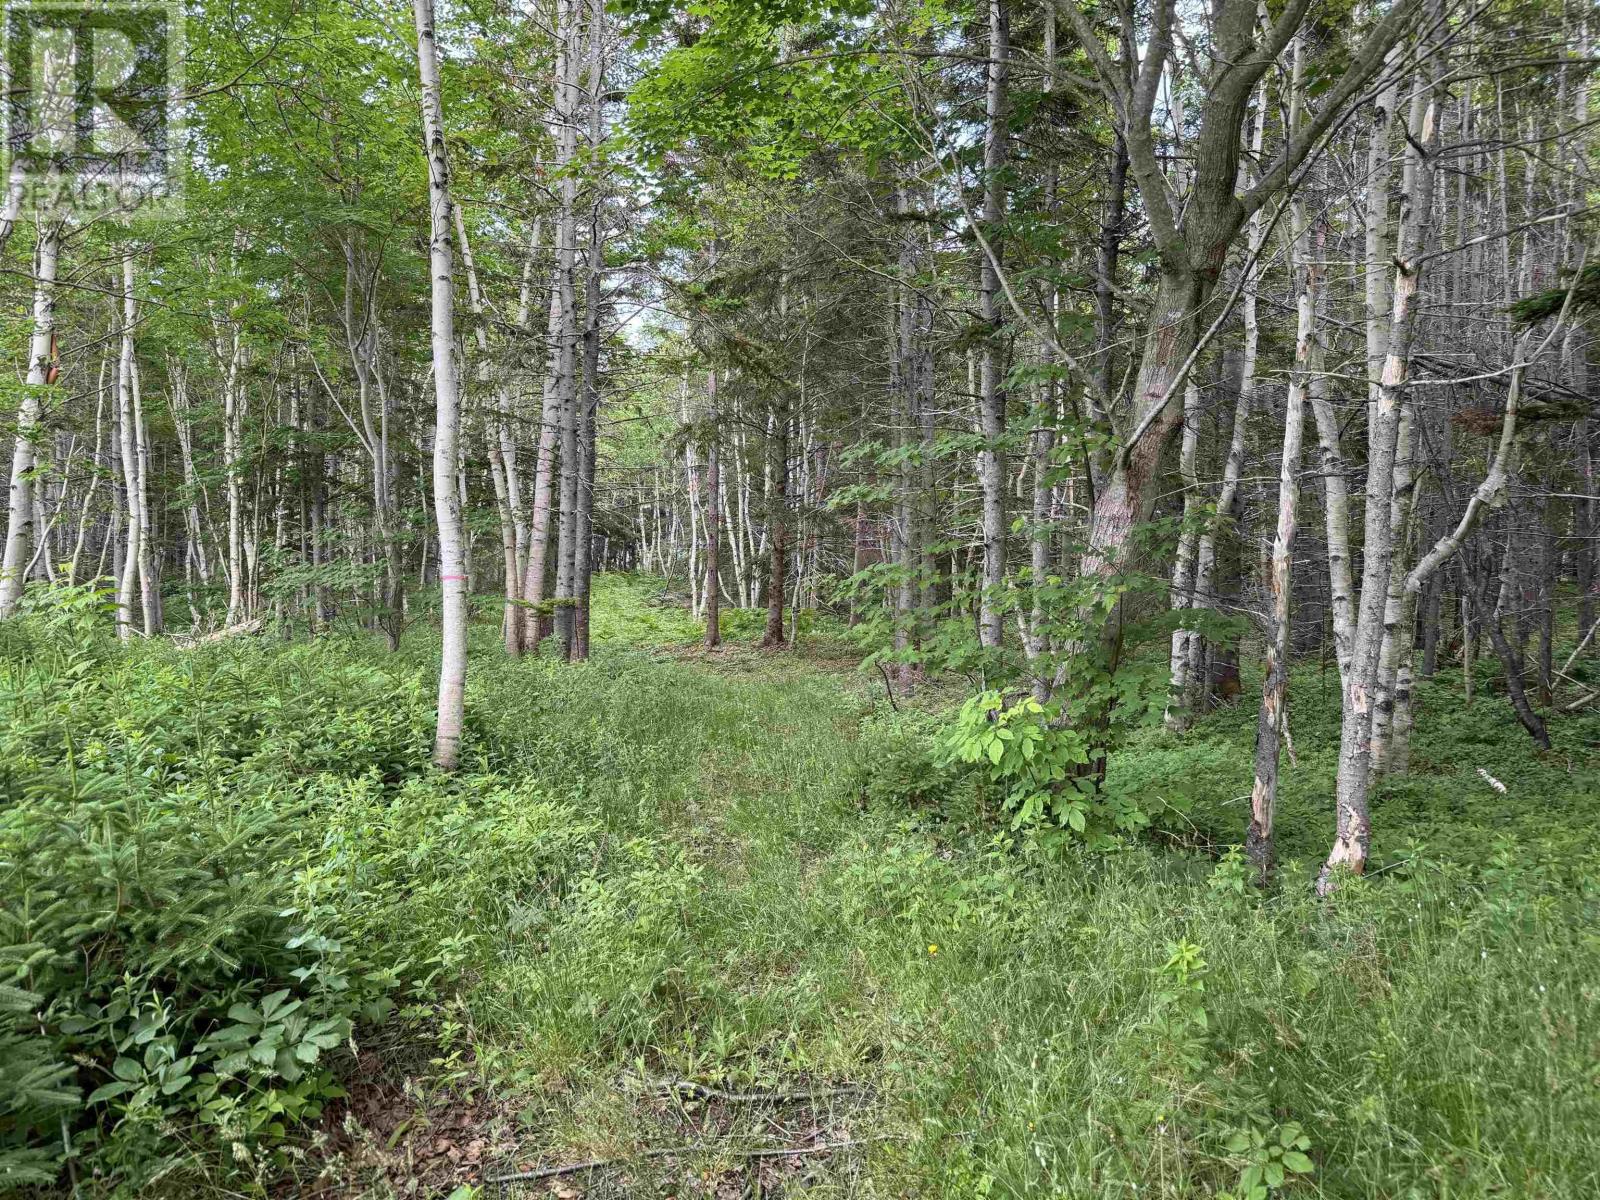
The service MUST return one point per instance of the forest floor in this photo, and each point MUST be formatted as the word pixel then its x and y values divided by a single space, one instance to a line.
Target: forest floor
pixel 821 970
pixel 715 926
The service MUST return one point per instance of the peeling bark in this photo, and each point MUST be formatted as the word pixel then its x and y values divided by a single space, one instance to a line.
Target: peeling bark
pixel 1352 831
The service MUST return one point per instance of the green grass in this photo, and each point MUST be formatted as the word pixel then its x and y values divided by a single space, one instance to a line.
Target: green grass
pixel 1434 1033
pixel 661 864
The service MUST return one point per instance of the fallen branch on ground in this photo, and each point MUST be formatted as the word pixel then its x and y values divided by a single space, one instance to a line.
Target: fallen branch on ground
pixel 702 1091
pixel 598 1164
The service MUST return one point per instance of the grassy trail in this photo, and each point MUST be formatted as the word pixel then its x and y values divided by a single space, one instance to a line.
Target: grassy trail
pixel 1129 1024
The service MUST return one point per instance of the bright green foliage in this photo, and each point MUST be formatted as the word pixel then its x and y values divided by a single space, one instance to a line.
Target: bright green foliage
pixel 744 85
pixel 38 1091
pixel 1271 1157
pixel 1442 809
pixel 213 865
pixel 149 906
pixel 749 871
pixel 1042 768
pixel 1037 765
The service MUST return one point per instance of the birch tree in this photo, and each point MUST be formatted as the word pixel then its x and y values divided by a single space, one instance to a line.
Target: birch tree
pixel 447 418
pixel 20 526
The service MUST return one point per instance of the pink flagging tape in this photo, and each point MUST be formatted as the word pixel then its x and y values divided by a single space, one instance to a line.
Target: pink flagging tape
pixel 452 578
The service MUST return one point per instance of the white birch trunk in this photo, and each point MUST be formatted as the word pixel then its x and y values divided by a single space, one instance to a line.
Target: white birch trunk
pixel 19 506
pixel 136 578
pixel 447 419
pixel 991 370
pixel 1181 594
pixel 1352 829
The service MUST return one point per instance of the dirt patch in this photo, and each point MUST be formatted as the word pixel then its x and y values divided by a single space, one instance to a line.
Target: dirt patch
pixel 388 1137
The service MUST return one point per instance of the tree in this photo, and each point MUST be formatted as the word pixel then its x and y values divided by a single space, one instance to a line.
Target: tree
pixel 447 421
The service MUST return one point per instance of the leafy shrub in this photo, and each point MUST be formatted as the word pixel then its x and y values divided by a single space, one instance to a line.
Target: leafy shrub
pixel 164 967
pixel 1036 764
pixel 178 914
pixel 218 865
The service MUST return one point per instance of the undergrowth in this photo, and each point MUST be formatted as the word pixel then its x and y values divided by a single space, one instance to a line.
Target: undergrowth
pixel 222 870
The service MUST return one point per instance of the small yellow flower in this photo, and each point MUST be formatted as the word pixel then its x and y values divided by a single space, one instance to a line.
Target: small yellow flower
pixel 933 948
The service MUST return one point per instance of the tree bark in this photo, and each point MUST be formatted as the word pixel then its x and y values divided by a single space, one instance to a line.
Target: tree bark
pixel 1352 828
pixel 589 412
pixel 713 520
pixel 560 382
pixel 991 370
pixel 1181 594
pixel 447 399
pixel 772 637
pixel 136 563
pixel 19 507
pixel 1272 720
pixel 1511 659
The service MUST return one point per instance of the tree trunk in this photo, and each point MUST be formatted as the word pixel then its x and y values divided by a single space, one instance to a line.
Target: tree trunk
pixel 1399 608
pixel 594 269
pixel 19 507
pixel 778 518
pixel 583 565
pixel 778 497
pixel 138 570
pixel 588 420
pixel 1352 829
pixel 496 444
pixel 1181 594
pixel 991 370
pixel 447 418
pixel 95 461
pixel 1106 255
pixel 567 526
pixel 1336 516
pixel 533 584
pixel 713 514
pixel 1511 659
pixel 233 403
pixel 1272 720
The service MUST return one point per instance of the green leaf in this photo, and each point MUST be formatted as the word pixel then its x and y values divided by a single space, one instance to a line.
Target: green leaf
pixel 1298 1162
pixel 234 1063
